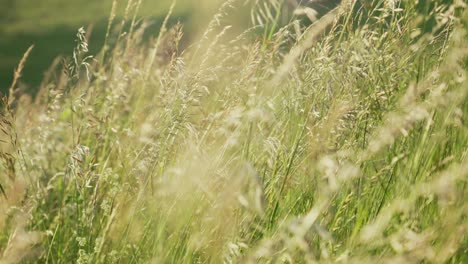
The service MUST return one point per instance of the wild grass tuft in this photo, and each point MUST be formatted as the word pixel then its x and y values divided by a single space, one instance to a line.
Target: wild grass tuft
pixel 346 143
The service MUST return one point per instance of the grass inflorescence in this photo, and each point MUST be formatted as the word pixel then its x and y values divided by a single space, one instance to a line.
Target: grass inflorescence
pixel 341 141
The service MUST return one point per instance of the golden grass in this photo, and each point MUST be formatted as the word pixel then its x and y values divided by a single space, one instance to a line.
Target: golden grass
pixel 346 144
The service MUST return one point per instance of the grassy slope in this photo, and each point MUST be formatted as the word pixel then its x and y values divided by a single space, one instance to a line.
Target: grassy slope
pixel 242 151
pixel 51 26
pixel 52 13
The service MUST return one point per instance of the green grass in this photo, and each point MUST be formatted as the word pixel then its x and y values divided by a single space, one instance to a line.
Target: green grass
pixel 51 26
pixel 24 17
pixel 345 144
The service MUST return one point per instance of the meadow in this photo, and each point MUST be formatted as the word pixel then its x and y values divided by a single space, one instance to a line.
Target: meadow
pixel 341 140
pixel 50 25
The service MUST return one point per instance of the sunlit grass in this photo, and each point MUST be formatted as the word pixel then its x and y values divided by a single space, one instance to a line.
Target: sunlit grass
pixel 342 142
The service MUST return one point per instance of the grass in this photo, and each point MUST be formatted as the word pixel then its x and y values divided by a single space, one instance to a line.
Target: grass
pixel 51 25
pixel 45 15
pixel 345 141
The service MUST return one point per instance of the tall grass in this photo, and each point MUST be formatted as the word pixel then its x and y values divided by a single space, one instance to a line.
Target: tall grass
pixel 346 143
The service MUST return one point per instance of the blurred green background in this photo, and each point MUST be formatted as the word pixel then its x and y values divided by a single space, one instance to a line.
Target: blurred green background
pixel 51 26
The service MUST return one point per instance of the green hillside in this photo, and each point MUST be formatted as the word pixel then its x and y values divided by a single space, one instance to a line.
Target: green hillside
pixel 51 25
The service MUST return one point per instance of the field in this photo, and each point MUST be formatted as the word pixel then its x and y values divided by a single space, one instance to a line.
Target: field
pixel 342 140
pixel 51 26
